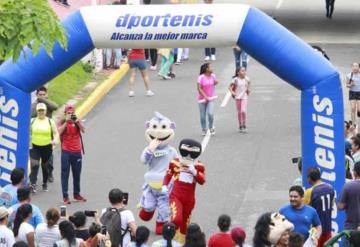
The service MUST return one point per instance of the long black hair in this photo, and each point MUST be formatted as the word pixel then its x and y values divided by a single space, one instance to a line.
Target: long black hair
pixel 168 232
pixel 194 236
pixel 203 68
pixel 141 235
pixel 21 214
pixel 262 230
pixel 67 231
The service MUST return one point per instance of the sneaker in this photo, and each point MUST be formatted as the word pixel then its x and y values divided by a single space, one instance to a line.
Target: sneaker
pixel 66 200
pixel 178 63
pixel 166 77
pixel 172 75
pixel 79 198
pixel 131 94
pixel 212 131
pixel 241 129
pixel 207 58
pixel 51 178
pixel 244 129
pixel 203 133
pixel 213 58
pixel 149 93
pixel 45 187
pixel 33 188
pixel 153 67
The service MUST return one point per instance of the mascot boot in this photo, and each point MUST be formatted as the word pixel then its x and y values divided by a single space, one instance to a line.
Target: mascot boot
pixel 159 227
pixel 179 237
pixel 144 215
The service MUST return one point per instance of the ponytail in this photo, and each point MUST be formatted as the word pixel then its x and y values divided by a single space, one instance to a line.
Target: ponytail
pixel 21 214
pixel 168 243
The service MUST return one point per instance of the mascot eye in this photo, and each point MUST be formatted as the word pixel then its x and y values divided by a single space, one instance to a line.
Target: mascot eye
pixel 154 126
pixel 164 126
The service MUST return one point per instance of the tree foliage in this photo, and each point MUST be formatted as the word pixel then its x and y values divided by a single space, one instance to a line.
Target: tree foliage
pixel 30 23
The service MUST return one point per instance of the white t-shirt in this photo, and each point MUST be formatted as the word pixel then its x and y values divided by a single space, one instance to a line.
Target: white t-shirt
pixel 241 87
pixel 126 218
pixel 24 229
pixel 45 236
pixel 7 238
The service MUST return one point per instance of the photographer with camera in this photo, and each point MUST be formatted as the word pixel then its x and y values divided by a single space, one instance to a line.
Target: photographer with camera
pixel 118 221
pixel 70 129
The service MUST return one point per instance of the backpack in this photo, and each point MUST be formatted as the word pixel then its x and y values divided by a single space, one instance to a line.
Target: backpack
pixel 111 219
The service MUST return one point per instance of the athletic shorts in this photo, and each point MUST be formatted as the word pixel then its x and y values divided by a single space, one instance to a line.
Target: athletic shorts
pixel 354 95
pixel 137 63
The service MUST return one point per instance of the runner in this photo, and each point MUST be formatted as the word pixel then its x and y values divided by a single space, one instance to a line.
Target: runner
pixel 206 88
pixel 240 90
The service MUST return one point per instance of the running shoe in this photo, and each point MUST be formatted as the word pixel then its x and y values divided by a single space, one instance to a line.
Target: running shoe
pixel 131 94
pixel 153 67
pixel 66 200
pixel 79 198
pixel 45 187
pixel 149 93
pixel 207 58
pixel 212 131
pixel 51 178
pixel 241 129
pixel 166 77
pixel 203 133
pixel 33 188
pixel 244 129
pixel 213 58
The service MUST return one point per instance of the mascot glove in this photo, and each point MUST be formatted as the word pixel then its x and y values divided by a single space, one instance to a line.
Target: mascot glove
pixel 164 189
pixel 192 170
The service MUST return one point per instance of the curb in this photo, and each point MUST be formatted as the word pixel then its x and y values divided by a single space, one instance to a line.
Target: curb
pixel 94 98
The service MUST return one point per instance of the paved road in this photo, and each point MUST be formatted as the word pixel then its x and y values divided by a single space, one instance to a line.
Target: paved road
pixel 247 174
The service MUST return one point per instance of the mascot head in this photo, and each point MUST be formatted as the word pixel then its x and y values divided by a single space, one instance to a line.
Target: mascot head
pixel 189 150
pixel 160 128
pixel 269 228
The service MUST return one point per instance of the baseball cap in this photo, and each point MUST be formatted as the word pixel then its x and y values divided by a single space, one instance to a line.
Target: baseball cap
pixel 40 106
pixel 69 108
pixel 238 232
pixel 3 212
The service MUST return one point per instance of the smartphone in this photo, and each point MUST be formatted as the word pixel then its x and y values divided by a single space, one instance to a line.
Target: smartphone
pixel 89 213
pixel 62 211
pixel 125 198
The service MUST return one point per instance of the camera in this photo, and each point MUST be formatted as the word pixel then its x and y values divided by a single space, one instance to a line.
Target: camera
pixel 73 117
pixel 90 213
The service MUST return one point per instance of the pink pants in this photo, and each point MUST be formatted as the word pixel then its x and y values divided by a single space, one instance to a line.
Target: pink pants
pixel 241 105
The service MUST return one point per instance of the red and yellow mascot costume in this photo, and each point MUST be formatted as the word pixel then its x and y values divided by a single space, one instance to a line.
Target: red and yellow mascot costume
pixel 185 173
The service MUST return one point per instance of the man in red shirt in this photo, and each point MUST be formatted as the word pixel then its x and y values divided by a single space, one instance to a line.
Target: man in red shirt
pixel 222 238
pixel 71 146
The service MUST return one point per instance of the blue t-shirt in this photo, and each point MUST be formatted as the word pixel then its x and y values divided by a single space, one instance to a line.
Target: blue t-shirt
pixel 303 218
pixel 8 196
pixel 36 218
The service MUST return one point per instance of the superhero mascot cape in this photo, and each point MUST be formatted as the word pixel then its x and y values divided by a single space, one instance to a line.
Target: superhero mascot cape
pixel 157 156
pixel 185 173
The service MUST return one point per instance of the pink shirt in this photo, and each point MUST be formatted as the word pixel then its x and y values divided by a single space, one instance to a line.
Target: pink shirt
pixel 207 84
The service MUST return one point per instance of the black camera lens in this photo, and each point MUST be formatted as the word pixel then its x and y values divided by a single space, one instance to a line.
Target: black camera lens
pixel 73 117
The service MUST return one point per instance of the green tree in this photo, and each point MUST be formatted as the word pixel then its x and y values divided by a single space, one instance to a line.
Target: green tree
pixel 30 23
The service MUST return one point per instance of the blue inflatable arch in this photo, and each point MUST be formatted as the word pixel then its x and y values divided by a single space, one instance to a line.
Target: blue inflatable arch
pixel 211 25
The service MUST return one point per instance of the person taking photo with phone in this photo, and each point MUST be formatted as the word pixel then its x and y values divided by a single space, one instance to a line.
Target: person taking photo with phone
pixel 70 129
pixel 117 215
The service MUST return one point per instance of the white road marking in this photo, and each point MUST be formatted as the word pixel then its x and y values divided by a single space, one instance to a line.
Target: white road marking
pixel 205 141
pixel 280 2
pixel 226 99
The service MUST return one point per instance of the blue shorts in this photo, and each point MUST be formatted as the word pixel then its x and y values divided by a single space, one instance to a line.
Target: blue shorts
pixel 137 63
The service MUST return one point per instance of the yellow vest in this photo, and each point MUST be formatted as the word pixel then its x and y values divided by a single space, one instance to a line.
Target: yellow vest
pixel 41 131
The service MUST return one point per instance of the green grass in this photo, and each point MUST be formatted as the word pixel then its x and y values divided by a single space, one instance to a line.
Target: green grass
pixel 66 85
